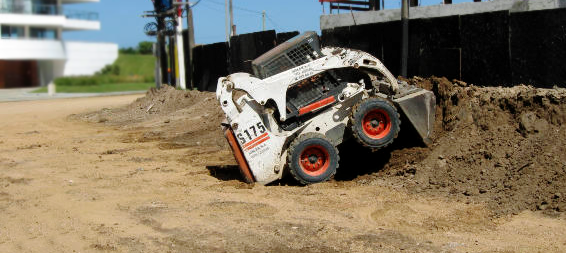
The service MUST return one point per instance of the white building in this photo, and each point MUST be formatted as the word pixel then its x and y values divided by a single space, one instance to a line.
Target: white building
pixel 32 52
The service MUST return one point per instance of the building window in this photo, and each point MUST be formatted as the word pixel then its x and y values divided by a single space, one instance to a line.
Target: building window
pixel 43 33
pixel 45 7
pixel 40 7
pixel 12 32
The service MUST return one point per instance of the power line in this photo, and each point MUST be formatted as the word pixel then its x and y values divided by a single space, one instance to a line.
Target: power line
pixel 248 10
pixel 186 10
pixel 273 22
pixel 212 8
pixel 195 4
pixel 247 14
pixel 236 7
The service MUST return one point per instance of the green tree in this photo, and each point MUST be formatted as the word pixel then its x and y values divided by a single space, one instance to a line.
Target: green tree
pixel 128 50
pixel 145 47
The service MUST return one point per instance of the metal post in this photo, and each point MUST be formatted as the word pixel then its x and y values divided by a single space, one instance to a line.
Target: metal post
pixel 191 45
pixel 161 43
pixel 405 37
pixel 374 5
pixel 232 28
pixel 227 23
pixel 172 61
pixel 157 54
pixel 263 20
pixel 180 71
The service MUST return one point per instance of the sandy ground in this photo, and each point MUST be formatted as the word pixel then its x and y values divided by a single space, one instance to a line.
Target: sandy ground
pixel 26 94
pixel 72 186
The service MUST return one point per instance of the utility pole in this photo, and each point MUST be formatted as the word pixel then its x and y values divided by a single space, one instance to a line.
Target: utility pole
pixel 157 71
pixel 180 63
pixel 162 52
pixel 263 20
pixel 405 37
pixel 227 22
pixel 172 61
pixel 232 27
pixel 191 44
pixel 374 5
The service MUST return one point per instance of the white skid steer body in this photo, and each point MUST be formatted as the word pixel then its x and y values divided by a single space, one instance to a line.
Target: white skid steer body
pixel 306 108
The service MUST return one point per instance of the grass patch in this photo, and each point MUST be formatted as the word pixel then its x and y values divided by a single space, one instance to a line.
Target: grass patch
pixel 101 79
pixel 135 64
pixel 100 88
pixel 130 72
pixel 128 68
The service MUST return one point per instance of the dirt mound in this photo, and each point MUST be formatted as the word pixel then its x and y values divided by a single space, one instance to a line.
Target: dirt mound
pixel 501 146
pixel 175 118
pixel 157 103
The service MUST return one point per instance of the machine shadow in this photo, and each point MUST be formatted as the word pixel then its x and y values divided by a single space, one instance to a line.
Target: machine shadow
pixel 232 172
pixel 355 159
pixel 225 172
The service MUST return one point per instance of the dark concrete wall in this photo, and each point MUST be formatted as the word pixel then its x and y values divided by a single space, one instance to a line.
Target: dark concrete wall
pixel 209 63
pixel 213 61
pixel 485 48
pixel 245 48
pixel 282 37
pixel 538 47
pixel 381 40
pixel 495 48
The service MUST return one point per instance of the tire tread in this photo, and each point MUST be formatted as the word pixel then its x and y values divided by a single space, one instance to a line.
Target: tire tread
pixel 293 146
pixel 356 134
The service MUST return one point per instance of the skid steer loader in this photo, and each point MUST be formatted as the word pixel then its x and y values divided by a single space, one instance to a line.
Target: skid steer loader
pixel 303 101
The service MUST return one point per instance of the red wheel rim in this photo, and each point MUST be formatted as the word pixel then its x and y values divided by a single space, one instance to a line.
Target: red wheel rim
pixel 376 124
pixel 314 160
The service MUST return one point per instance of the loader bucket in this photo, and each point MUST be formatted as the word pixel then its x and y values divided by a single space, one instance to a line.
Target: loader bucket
pixel 419 107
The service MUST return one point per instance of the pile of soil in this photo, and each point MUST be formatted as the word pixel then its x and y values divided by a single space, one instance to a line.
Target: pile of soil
pixel 501 146
pixel 174 118
pixel 158 103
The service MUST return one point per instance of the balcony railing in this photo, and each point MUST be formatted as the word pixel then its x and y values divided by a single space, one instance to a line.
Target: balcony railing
pixel 46 9
pixel 28 8
pixel 82 15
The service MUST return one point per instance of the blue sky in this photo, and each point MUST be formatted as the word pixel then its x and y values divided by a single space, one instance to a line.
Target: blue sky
pixel 122 23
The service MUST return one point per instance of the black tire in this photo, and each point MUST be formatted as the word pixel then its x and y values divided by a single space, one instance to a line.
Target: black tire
pixel 375 123
pixel 312 158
